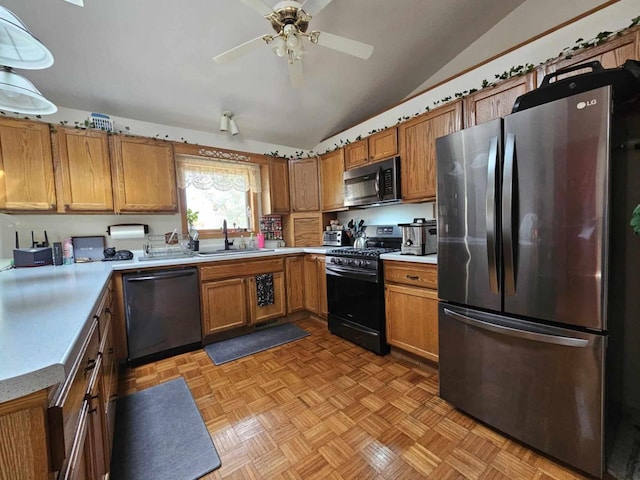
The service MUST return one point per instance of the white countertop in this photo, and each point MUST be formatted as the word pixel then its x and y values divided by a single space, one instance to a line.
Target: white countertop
pixel 397 256
pixel 45 312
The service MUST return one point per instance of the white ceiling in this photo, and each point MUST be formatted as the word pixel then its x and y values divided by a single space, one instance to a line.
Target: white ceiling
pixel 151 60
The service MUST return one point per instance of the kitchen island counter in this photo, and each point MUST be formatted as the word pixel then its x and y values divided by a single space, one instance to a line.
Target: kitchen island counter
pixel 45 312
pixel 398 257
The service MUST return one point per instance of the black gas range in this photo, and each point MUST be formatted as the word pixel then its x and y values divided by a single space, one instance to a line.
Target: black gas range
pixel 355 289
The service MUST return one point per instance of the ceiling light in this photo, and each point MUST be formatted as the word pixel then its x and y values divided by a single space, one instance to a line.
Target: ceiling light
pixel 224 122
pixel 234 127
pixel 18 47
pixel 17 94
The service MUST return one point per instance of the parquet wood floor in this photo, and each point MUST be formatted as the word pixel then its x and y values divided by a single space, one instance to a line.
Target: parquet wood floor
pixel 323 408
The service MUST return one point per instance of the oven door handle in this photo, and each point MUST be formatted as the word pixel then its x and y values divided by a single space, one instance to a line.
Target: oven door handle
pixel 342 272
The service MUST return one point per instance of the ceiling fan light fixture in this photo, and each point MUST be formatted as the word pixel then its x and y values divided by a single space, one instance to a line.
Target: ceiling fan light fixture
pixel 234 126
pixel 224 122
pixel 17 94
pixel 18 47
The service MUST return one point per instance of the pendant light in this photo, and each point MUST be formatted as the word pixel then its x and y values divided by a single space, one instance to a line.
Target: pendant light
pixel 20 49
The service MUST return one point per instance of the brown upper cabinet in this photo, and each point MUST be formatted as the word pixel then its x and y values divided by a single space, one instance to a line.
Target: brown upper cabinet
pixel 379 146
pixel 303 175
pixel 331 173
pixel 275 187
pixel 497 101
pixel 83 170
pixel 418 149
pixel 26 166
pixel 144 174
pixel 610 54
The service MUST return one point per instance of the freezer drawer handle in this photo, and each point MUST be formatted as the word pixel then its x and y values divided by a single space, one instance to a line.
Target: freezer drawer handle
pixel 491 214
pixel 512 332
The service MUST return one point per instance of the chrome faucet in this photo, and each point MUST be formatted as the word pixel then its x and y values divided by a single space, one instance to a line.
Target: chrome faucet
pixel 225 232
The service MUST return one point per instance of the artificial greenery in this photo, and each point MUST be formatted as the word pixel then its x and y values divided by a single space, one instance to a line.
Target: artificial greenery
pixel 635 220
pixel 192 217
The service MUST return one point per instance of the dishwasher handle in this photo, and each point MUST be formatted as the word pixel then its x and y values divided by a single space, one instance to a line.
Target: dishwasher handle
pixel 162 276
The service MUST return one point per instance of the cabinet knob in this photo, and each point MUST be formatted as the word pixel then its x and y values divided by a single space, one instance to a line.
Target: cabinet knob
pixel 413 277
pixel 66 206
pixel 90 365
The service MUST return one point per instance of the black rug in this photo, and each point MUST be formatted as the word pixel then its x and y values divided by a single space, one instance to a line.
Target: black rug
pixel 234 348
pixel 160 435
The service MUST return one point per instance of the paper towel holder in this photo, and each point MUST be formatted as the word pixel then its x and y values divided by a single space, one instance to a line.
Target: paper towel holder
pixel 146 227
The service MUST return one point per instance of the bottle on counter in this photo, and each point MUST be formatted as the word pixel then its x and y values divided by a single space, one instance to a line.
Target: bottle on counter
pixel 242 245
pixel 252 242
pixel 260 240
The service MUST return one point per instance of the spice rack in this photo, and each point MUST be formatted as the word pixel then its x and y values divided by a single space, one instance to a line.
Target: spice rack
pixel 271 227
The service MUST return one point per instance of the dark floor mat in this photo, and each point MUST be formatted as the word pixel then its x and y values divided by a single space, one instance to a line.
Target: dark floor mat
pixel 160 435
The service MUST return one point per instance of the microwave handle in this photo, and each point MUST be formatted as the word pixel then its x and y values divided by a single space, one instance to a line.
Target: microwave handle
pixel 378 178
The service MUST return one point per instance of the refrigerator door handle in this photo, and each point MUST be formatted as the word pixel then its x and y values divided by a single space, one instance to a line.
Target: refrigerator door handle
pixel 514 332
pixel 507 215
pixel 491 214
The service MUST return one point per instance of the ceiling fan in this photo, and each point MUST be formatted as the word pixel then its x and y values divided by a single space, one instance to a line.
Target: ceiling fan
pixel 290 23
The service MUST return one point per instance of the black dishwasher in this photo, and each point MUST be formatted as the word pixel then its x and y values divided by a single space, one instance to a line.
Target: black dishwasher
pixel 162 313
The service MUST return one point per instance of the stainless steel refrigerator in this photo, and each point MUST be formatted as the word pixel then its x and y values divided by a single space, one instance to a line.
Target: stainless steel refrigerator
pixel 523 246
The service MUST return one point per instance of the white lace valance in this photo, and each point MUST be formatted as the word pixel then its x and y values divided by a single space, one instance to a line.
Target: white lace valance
pixel 217 173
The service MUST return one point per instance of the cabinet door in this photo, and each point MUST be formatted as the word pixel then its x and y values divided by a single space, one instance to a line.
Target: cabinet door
pixel 323 309
pixel 109 383
pixel 383 145
pixel 224 305
pixel 306 230
pixel 610 54
pixel 97 453
pixel 356 154
pixel 294 268
pixel 311 283
pixel 412 320
pixel 418 149
pixel 331 172
pixel 145 175
pixel 497 101
pixel 26 166
pixel 267 312
pixel 275 187
pixel 304 185
pixel 84 170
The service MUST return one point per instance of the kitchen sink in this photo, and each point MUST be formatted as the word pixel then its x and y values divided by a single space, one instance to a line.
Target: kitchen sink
pixel 210 253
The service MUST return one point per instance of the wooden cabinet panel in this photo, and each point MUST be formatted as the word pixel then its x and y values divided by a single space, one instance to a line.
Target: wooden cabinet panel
pixel 224 305
pixel 294 268
pixel 306 230
pixel 418 149
pixel 84 170
pixel 356 154
pixel 497 101
pixel 97 455
pixel 275 187
pixel 323 309
pixel 26 166
pixel 311 284
pixel 331 171
pixel 413 274
pixel 610 54
pixel 304 185
pixel 267 312
pixel 234 268
pixel 145 175
pixel 383 145
pixel 412 320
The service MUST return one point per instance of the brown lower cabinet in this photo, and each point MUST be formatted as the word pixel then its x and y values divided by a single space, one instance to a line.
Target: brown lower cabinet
pixel 229 294
pixel 315 285
pixel 294 270
pixel 66 431
pixel 411 303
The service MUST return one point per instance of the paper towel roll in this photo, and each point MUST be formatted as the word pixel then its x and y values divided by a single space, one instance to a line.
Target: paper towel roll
pixel 122 232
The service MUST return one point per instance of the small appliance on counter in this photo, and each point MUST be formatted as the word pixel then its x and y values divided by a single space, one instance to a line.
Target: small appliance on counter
pixel 38 255
pixel 335 238
pixel 419 237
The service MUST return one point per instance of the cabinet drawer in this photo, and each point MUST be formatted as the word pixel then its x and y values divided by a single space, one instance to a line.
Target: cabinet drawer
pixel 240 268
pixel 416 274
pixel 64 411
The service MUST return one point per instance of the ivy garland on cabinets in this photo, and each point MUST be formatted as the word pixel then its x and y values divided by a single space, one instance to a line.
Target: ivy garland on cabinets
pixel 515 71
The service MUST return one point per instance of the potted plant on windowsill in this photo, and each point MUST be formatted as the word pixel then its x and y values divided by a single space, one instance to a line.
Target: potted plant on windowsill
pixel 635 220
pixel 192 218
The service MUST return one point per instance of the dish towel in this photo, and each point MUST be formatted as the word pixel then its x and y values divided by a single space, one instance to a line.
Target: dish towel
pixel 264 284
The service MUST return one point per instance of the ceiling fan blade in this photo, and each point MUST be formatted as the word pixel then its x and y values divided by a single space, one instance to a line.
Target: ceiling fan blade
pixel 240 50
pixel 312 7
pixel 295 74
pixel 345 45
pixel 79 3
pixel 259 6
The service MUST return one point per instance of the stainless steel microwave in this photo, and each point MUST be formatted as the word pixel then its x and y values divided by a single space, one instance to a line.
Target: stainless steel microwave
pixel 373 184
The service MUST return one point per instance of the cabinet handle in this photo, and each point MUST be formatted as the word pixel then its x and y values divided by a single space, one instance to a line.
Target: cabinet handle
pixel 413 277
pixel 53 205
pixel 110 351
pixel 66 206
pixel 91 365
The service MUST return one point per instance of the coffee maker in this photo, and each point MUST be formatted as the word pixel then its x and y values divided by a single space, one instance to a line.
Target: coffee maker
pixel 419 237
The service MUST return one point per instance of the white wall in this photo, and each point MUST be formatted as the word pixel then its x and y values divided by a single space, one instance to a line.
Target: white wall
pixel 389 214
